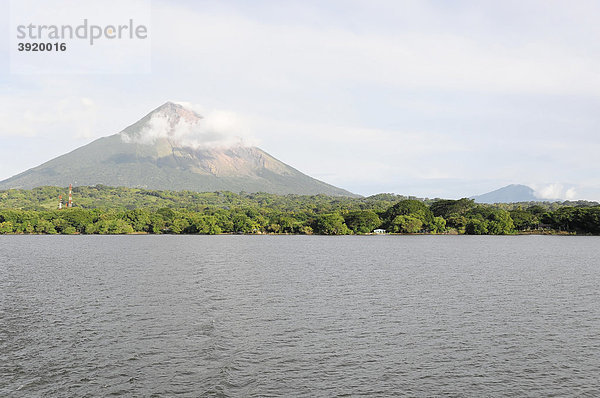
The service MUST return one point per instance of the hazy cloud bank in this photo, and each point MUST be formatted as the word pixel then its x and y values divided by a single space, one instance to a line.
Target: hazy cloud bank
pixel 555 191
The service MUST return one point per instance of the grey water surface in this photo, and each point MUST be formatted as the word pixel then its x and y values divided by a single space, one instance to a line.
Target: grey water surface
pixel 286 316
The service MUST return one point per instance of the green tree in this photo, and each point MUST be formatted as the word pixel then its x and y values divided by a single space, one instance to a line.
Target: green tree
pixel 211 226
pixel 44 227
pixel 139 220
pixel 438 226
pixel 476 227
pixel 6 227
pixel 456 221
pixel 178 225
pixel 362 221
pixel 330 224
pixel 69 230
pixel 242 223
pixel 444 207
pixel 409 207
pixel 489 220
pixel 156 224
pixel 406 225
pixel 523 219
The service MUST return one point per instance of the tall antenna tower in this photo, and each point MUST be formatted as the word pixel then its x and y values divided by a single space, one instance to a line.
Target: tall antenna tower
pixel 70 202
pixel 59 202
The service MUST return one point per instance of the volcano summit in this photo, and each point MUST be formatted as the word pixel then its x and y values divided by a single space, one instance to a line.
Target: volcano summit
pixel 173 148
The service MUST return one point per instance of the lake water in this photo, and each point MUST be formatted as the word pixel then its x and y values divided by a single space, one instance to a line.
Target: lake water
pixel 271 316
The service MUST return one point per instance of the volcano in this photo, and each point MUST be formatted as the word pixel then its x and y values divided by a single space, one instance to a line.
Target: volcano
pixel 172 148
pixel 513 193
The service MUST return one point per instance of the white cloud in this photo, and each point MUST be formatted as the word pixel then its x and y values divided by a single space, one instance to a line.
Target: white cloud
pixel 213 129
pixel 555 191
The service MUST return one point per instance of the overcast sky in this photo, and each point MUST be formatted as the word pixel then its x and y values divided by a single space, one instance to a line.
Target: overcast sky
pixel 426 98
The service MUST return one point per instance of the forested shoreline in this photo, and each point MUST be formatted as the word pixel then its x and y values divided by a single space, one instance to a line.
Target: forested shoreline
pixel 107 210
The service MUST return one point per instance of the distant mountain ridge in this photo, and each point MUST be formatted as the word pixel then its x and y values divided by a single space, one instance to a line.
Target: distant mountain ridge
pixel 169 150
pixel 509 194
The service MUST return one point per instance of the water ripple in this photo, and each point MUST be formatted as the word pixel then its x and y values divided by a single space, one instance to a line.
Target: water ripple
pixel 272 316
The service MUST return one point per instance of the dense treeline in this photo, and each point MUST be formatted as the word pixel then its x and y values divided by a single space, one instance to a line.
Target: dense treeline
pixel 103 197
pixel 105 210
